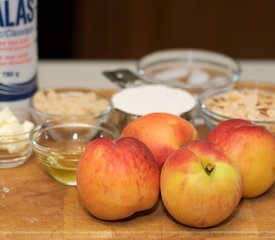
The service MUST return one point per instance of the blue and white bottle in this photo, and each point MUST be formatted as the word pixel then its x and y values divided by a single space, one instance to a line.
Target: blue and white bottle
pixel 18 54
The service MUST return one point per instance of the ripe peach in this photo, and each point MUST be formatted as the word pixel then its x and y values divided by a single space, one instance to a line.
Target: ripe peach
pixel 252 148
pixel 117 178
pixel 163 133
pixel 200 186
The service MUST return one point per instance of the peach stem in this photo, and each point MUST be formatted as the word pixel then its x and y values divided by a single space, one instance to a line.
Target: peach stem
pixel 209 168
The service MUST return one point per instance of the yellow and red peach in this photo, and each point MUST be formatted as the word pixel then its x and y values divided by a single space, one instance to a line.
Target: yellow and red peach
pixel 252 148
pixel 200 186
pixel 115 179
pixel 163 133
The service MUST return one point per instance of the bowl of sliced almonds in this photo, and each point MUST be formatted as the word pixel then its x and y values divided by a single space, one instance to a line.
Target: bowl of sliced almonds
pixel 252 101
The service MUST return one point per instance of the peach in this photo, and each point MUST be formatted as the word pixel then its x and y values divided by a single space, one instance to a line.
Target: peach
pixel 115 179
pixel 163 133
pixel 200 185
pixel 252 148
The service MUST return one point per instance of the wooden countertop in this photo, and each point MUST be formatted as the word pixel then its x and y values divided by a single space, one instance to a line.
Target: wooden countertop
pixel 34 206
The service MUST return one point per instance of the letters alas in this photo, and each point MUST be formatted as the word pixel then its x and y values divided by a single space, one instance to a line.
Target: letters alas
pixel 24 13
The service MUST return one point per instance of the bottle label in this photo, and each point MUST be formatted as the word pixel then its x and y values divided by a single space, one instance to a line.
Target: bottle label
pixel 18 49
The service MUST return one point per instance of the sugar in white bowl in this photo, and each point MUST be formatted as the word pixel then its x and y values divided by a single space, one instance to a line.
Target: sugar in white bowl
pixel 150 98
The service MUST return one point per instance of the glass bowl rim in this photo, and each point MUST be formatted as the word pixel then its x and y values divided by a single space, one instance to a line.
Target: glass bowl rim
pixel 24 136
pixel 39 129
pixel 235 71
pixel 218 116
pixel 40 113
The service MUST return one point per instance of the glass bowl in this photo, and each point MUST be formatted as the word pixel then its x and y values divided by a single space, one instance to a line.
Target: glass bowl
pixel 59 146
pixel 251 101
pixel 192 69
pixel 15 146
pixel 70 105
pixel 15 149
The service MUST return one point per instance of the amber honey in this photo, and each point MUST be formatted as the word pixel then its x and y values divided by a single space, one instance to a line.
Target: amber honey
pixel 59 146
pixel 61 166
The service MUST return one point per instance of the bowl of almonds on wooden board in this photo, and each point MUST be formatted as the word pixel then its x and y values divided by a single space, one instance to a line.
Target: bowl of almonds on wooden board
pixel 249 100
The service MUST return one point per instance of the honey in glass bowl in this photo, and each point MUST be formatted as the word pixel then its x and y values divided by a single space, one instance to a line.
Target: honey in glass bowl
pixel 59 146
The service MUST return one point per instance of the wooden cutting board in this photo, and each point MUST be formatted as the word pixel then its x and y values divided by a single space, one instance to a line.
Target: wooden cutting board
pixel 35 206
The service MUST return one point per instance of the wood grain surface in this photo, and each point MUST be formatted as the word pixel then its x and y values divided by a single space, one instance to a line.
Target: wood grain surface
pixel 34 206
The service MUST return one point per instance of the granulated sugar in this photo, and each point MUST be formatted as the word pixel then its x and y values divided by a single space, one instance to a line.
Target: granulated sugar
pixel 146 99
